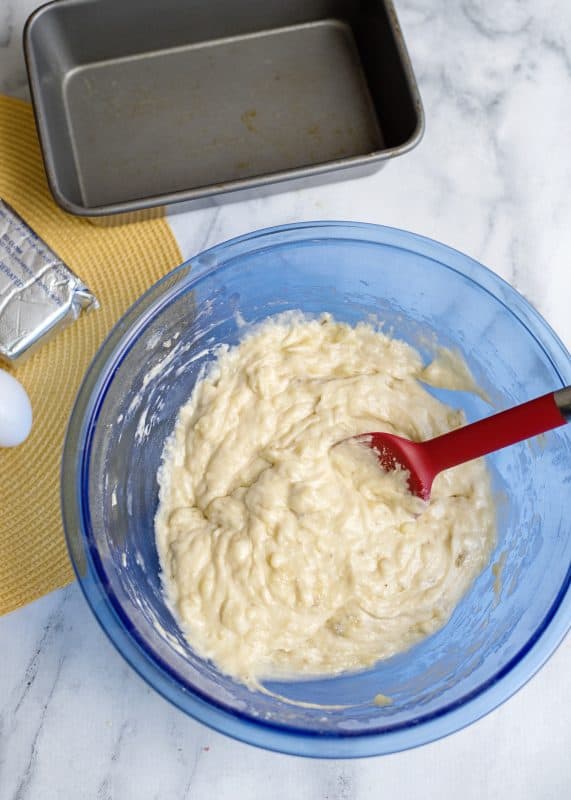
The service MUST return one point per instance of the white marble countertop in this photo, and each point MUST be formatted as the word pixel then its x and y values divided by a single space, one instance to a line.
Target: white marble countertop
pixel 491 178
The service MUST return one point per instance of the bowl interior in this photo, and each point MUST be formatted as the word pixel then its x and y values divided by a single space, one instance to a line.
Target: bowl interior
pixel 422 294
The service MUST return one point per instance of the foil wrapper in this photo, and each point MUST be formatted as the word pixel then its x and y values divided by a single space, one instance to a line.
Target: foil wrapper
pixel 39 294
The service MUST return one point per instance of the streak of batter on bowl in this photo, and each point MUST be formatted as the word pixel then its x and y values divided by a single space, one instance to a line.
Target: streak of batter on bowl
pixel 287 555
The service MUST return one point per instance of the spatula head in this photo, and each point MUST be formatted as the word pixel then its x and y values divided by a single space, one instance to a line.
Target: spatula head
pixel 394 452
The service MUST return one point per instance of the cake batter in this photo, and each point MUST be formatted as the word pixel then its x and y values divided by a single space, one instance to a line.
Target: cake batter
pixel 287 553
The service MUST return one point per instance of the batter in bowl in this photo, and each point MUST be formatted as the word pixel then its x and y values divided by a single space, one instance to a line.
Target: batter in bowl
pixel 284 553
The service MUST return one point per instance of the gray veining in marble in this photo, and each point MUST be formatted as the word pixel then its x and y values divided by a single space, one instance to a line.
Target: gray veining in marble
pixel 13 14
pixel 491 178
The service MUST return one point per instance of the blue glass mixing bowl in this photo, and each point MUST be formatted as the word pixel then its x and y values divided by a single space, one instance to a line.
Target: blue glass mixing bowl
pixel 517 611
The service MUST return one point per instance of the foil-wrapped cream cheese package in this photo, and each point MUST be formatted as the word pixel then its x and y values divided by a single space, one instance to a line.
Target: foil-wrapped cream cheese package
pixel 39 294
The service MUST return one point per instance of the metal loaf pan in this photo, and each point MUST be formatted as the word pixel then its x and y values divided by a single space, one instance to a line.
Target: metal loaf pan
pixel 141 104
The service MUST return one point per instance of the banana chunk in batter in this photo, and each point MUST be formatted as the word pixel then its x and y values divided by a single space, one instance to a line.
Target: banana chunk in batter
pixel 284 555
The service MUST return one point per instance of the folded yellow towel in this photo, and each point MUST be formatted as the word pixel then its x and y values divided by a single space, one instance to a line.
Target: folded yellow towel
pixel 118 264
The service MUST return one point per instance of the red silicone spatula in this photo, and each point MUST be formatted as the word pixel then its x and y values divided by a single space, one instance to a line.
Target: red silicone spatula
pixel 424 460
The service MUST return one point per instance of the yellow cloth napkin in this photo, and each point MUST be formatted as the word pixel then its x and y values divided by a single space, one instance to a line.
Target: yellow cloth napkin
pixel 118 264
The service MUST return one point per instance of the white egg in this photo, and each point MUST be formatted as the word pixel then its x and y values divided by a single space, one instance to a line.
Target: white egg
pixel 15 411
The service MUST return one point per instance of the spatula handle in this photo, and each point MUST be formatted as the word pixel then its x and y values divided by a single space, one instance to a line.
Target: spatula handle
pixel 500 430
